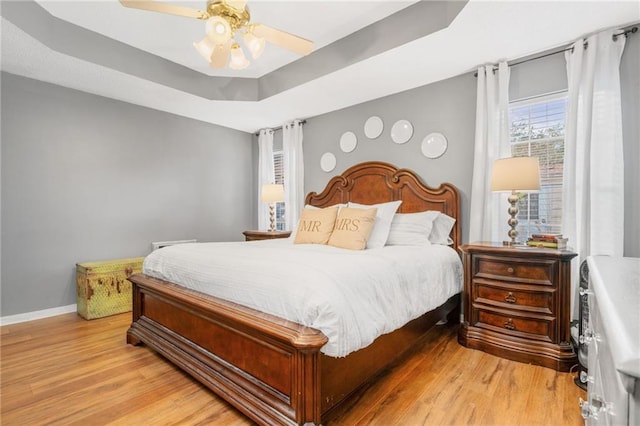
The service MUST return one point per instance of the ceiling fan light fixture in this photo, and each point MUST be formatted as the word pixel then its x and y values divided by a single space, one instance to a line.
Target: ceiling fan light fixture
pixel 238 60
pixel 254 44
pixel 222 19
pixel 218 30
pixel 205 48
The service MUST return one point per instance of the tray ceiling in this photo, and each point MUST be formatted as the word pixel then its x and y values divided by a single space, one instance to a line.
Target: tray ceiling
pixel 363 50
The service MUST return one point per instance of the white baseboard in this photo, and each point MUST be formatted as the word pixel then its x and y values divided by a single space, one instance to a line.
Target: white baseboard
pixel 30 316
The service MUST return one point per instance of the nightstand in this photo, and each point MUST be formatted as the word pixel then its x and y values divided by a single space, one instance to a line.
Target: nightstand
pixel 517 303
pixel 265 235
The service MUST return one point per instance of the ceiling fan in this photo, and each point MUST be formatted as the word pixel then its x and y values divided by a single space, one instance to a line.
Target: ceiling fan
pixel 223 19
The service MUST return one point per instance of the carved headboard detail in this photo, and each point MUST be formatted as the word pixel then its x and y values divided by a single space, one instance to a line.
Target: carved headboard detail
pixel 375 182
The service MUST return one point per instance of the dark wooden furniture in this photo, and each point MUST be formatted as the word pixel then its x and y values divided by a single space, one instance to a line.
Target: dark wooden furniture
pixel 269 368
pixel 265 235
pixel 517 303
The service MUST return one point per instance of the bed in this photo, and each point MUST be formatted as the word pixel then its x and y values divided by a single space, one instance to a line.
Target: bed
pixel 271 369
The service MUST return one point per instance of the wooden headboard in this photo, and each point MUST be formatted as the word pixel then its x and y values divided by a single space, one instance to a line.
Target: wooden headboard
pixel 375 182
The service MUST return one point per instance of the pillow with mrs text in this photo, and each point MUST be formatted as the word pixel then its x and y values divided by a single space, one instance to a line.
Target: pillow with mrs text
pixel 315 226
pixel 352 228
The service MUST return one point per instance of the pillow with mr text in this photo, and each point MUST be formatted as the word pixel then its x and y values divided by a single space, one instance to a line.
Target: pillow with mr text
pixel 315 226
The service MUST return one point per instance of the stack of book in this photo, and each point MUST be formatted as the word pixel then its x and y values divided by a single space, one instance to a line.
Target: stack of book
pixel 547 240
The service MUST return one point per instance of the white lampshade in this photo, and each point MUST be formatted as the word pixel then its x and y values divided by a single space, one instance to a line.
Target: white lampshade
pixel 238 60
pixel 254 44
pixel 272 193
pixel 205 48
pixel 218 30
pixel 516 174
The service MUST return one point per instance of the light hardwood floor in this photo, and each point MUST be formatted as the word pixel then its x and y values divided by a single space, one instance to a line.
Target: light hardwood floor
pixel 67 371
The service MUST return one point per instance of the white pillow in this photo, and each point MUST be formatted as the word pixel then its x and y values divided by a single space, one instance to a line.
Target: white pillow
pixel 442 226
pixel 384 216
pixel 411 229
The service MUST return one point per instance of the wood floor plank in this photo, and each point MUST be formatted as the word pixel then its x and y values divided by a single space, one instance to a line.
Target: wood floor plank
pixel 65 370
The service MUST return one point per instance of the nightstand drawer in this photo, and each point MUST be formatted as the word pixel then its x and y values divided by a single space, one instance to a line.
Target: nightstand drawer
pixel 510 296
pixel 515 325
pixel 531 271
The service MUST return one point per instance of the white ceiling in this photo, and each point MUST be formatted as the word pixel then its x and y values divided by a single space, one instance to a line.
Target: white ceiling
pixel 483 32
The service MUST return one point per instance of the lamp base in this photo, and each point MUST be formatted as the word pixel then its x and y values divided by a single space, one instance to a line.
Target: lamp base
pixel 272 219
pixel 513 221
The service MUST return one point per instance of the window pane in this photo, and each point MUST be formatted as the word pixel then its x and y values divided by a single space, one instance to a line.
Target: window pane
pixel 278 165
pixel 537 130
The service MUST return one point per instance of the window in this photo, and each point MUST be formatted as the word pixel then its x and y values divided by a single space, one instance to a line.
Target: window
pixel 278 167
pixel 537 130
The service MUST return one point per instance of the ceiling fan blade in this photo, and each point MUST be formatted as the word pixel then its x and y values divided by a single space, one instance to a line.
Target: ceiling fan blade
pixel 220 55
pixel 156 6
pixel 288 41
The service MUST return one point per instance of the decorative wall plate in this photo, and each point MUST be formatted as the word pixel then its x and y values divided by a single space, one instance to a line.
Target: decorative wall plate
pixel 373 127
pixel 434 145
pixel 401 131
pixel 348 141
pixel 327 162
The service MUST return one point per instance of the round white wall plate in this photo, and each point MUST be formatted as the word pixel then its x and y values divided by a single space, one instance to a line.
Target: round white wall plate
pixel 434 145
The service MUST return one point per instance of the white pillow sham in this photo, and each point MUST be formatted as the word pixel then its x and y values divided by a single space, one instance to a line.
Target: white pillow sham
pixel 411 229
pixel 442 227
pixel 423 228
pixel 384 216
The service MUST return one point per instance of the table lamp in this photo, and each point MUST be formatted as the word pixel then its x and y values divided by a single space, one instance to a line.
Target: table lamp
pixel 515 174
pixel 272 193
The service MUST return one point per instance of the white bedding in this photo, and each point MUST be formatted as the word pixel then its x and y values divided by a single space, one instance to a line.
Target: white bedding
pixel 351 296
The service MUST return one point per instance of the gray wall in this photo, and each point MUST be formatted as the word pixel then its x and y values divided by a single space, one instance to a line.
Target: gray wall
pixel 447 107
pixel 89 178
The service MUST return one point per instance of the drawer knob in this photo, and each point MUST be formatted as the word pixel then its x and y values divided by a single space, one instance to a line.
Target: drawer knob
pixel 586 378
pixel 597 405
pixel 584 291
pixel 510 298
pixel 510 270
pixel 509 325
pixel 588 337
pixel 587 410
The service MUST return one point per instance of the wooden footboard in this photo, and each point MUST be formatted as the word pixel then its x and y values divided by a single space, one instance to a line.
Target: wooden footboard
pixel 265 366
pixel 269 368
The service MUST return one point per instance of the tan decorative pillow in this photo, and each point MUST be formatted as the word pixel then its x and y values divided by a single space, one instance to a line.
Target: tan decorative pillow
pixel 315 225
pixel 353 228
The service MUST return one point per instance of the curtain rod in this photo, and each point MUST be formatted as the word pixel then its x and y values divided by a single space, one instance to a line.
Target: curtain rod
pixel 567 48
pixel 275 129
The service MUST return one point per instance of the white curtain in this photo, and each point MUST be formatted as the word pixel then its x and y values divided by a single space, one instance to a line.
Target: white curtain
pixel 266 174
pixel 593 186
pixel 293 172
pixel 488 221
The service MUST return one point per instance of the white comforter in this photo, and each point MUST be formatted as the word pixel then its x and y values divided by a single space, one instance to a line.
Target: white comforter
pixel 351 296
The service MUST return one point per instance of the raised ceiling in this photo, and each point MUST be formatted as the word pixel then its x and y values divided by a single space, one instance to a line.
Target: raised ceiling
pixel 363 50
